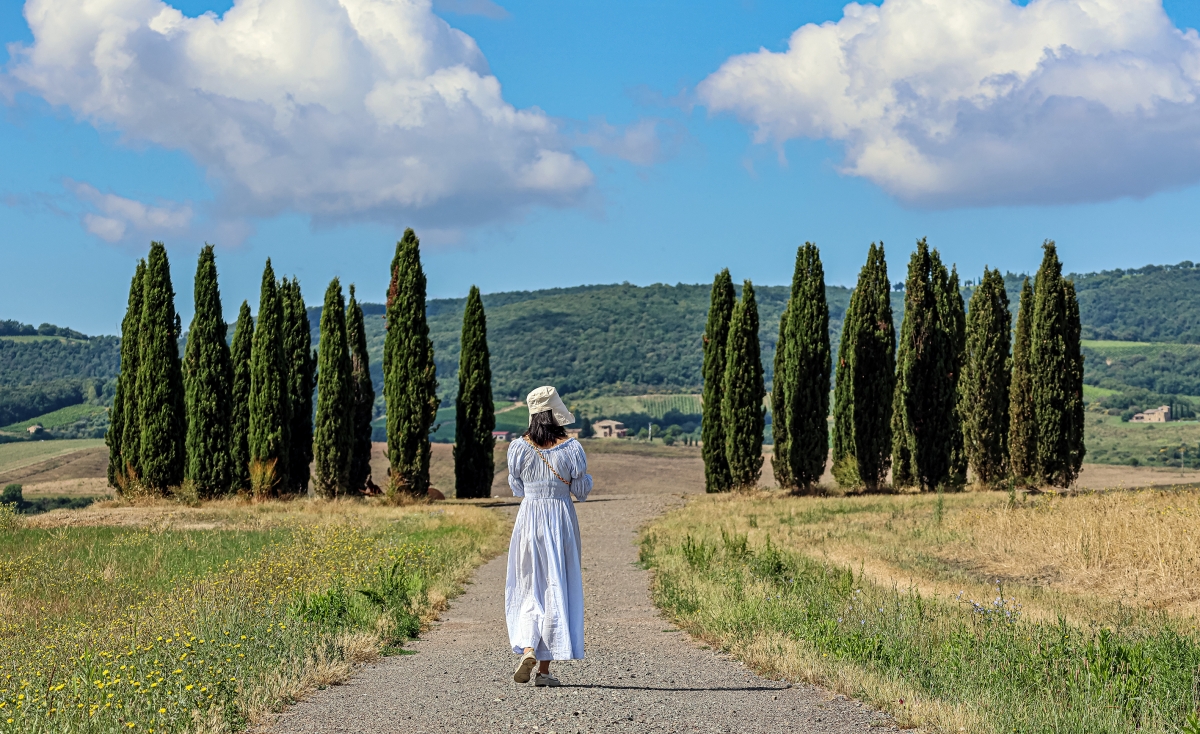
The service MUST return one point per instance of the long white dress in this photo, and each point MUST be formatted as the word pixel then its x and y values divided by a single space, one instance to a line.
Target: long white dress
pixel 543 597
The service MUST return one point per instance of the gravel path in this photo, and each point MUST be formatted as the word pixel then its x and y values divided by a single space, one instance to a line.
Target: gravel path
pixel 640 675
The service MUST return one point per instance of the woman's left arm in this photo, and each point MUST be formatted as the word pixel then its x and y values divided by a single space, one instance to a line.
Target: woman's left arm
pixel 581 481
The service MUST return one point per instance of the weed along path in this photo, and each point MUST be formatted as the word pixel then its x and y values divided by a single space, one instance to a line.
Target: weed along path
pixel 640 675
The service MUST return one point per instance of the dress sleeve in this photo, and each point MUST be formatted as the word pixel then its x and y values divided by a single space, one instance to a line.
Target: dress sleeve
pixel 516 462
pixel 581 481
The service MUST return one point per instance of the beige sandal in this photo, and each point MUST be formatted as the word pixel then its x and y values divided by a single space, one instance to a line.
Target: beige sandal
pixel 524 668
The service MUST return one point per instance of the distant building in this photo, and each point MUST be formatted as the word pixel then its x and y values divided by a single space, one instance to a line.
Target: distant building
pixel 35 429
pixel 574 432
pixel 1161 414
pixel 609 429
pixel 502 435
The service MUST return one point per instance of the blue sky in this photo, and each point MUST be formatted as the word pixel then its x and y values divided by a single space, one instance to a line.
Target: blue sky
pixel 673 161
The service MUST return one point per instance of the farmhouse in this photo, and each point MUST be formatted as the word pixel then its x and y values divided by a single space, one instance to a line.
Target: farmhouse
pixel 609 429
pixel 502 435
pixel 1161 414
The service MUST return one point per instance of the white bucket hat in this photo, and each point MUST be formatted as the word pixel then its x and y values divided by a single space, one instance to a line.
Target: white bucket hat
pixel 546 399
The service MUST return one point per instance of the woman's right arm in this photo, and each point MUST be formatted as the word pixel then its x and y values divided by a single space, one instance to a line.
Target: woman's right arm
pixel 516 462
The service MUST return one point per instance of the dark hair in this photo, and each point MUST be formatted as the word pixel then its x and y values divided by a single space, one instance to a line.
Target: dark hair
pixel 544 430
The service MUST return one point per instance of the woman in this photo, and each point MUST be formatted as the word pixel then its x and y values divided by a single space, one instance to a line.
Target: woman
pixel 543 598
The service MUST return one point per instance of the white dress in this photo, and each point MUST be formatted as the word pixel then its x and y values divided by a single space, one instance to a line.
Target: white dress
pixel 543 597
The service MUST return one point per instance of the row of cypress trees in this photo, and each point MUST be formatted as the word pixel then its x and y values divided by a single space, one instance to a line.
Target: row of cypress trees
pixel 949 398
pixel 227 416
pixel 238 415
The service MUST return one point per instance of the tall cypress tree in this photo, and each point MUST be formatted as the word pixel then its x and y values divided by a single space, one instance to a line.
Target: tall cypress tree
pixel 1022 418
pixel 866 375
pixel 805 396
pixel 364 395
pixel 409 372
pixel 742 409
pixel 953 321
pixel 781 385
pixel 333 439
pixel 475 415
pixel 268 388
pixel 239 437
pixel 716 338
pixel 926 399
pixel 301 365
pixel 208 378
pixel 124 433
pixel 1053 365
pixel 985 380
pixel 161 412
pixel 1074 388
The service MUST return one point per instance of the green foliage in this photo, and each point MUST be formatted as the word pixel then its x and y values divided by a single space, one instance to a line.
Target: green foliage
pixel 31 363
pixel 953 319
pixel 1057 370
pixel 716 337
pixel 927 434
pixel 866 376
pixel 13 497
pixel 363 396
pixel 1155 303
pixel 239 437
pixel 985 380
pixel 410 374
pixel 269 409
pixel 161 413
pixel 65 420
pixel 474 417
pixel 807 399
pixel 1022 418
pixel 783 384
pixel 123 436
pixel 17 329
pixel 333 439
pixel 742 393
pixel 1167 369
pixel 208 377
pixel 20 404
pixel 300 364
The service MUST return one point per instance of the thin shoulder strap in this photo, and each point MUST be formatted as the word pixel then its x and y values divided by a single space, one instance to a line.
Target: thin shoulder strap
pixel 545 461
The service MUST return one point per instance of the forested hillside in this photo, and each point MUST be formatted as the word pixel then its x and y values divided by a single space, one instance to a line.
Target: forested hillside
pixel 629 340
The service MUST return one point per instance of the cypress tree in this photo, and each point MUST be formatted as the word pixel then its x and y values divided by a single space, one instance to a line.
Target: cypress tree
pixel 269 390
pixel 239 438
pixel 866 377
pixel 475 416
pixel 1076 448
pixel 809 355
pixel 953 321
pixel 782 383
pixel 364 395
pixel 300 363
pixel 742 409
pixel 985 380
pixel 208 378
pixel 333 439
pixel 161 412
pixel 1022 418
pixel 409 372
pixel 716 337
pixel 124 433
pixel 924 408
pixel 1053 365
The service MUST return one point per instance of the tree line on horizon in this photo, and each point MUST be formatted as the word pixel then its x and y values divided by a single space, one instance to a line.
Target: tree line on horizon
pixel 962 390
pixel 238 415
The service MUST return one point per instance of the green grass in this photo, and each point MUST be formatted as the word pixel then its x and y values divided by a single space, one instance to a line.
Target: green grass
pixel 1110 441
pixel 58 418
pixel 654 406
pixel 1091 392
pixel 23 453
pixel 138 629
pixel 510 419
pixel 1129 349
pixel 975 664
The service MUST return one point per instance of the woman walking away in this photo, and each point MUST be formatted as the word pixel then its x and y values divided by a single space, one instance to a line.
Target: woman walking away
pixel 543 598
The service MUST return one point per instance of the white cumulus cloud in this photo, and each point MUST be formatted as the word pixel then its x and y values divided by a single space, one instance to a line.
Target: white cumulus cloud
pixel 113 218
pixel 984 102
pixel 338 109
